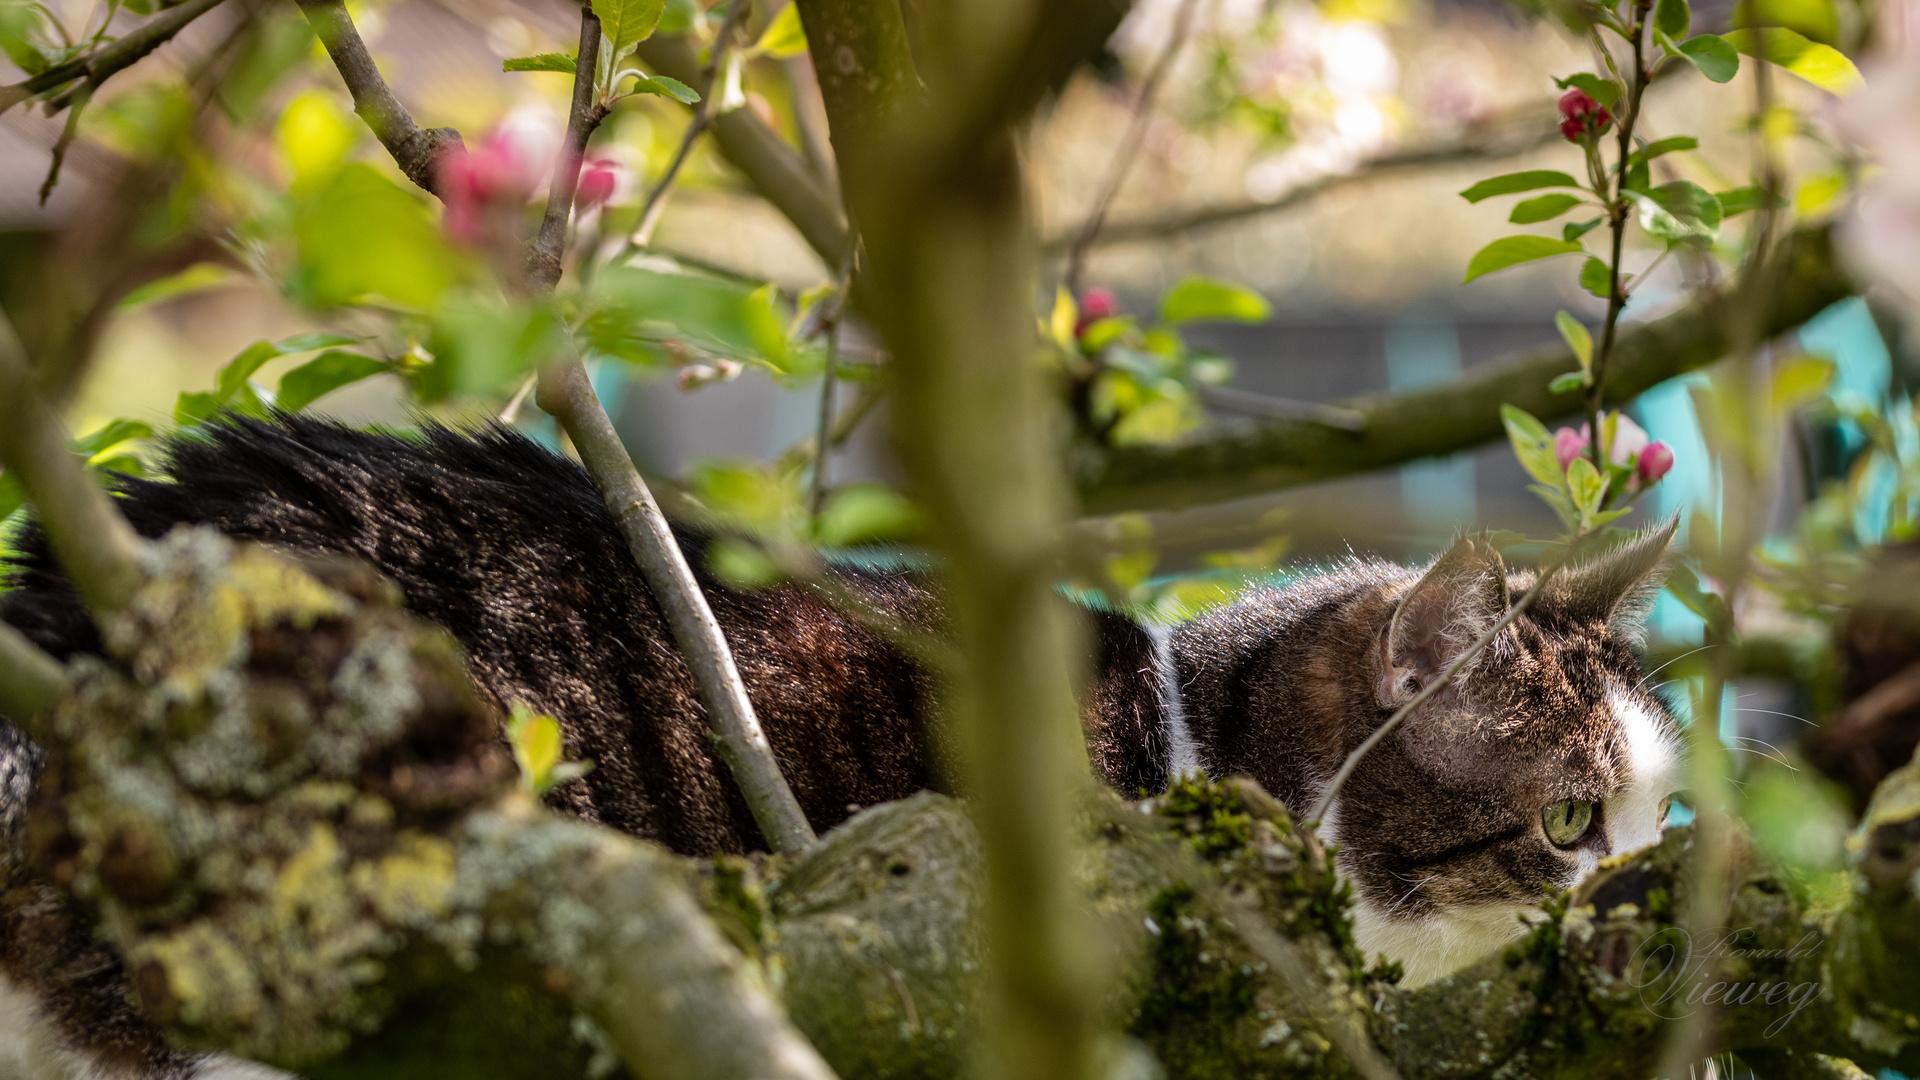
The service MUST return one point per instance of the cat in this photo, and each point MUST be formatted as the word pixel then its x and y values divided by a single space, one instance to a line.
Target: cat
pixel 1443 829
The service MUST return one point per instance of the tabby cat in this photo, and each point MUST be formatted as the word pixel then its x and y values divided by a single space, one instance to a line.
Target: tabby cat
pixel 1545 756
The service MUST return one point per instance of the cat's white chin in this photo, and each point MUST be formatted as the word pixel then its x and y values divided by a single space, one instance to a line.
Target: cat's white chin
pixel 1432 947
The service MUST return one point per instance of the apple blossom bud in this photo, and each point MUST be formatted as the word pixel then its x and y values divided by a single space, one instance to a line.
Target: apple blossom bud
pixel 1584 117
pixel 1569 444
pixel 1095 304
pixel 1655 461
pixel 597 182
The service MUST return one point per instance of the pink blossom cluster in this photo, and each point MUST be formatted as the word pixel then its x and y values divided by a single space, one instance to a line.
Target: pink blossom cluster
pixel 1649 459
pixel 1581 117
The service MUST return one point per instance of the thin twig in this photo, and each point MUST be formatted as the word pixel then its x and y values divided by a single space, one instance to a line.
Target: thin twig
pixel 567 394
pixel 519 398
pixel 845 423
pixel 1123 159
pixel 67 133
pixel 415 149
pixel 1186 221
pixel 1446 677
pixel 121 54
pixel 543 256
pixel 830 326
pixel 94 544
pixel 703 115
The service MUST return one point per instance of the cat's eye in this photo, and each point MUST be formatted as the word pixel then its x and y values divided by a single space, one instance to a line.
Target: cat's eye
pixel 1567 821
pixel 1666 807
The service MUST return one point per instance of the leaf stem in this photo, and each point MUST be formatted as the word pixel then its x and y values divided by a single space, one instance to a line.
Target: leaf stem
pixel 1617 216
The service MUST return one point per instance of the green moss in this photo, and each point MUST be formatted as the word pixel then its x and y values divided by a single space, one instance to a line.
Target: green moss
pixel 1198 995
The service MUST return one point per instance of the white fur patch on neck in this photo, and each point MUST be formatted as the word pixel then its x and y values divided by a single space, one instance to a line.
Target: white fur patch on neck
pixel 1183 754
pixel 1632 814
pixel 1435 946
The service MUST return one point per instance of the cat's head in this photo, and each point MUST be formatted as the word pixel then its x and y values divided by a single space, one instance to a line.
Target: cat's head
pixel 1546 754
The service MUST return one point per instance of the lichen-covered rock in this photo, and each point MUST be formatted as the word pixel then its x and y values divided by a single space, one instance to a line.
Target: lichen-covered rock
pixel 250 793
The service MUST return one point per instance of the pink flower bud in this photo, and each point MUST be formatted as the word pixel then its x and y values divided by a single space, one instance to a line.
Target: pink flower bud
pixel 1095 304
pixel 1584 117
pixel 1569 444
pixel 597 182
pixel 1655 461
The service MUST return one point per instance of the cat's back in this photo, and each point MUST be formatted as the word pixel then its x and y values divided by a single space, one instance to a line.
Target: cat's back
pixel 510 548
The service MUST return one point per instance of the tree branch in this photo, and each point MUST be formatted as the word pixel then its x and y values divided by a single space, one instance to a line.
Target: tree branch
pixel 95 545
pixel 414 149
pixel 122 53
pixel 544 255
pixel 1246 460
pixel 30 680
pixel 567 394
pixel 769 164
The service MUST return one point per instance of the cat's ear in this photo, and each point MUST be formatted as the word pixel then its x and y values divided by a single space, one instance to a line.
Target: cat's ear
pixel 1460 597
pixel 1619 587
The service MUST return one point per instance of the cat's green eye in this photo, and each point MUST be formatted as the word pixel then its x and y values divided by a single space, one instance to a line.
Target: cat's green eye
pixel 1567 821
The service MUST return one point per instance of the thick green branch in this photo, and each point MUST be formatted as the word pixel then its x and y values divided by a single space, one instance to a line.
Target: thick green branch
pixel 93 542
pixel 414 149
pixel 30 680
pixel 1224 464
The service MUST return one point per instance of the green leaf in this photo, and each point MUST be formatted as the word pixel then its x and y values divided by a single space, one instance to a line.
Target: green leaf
pixel 1817 19
pixel 624 24
pixel 1575 334
pixel 863 514
pixel 110 435
pixel 1209 298
pixel 1603 90
pixel 233 377
pixel 1716 59
pixel 1568 383
pixel 546 61
pixel 668 88
pixel 1514 250
pixel 323 374
pixel 194 408
pixel 1672 18
pixel 1530 180
pixel 1665 146
pixel 1741 200
pixel 1798 381
pixel 1596 278
pixel 678 17
pixel 1586 485
pixel 1542 208
pixel 742 565
pixel 1532 445
pixel 361 236
pixel 1822 65
pixel 784 36
pixel 1681 210
pixel 1574 230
